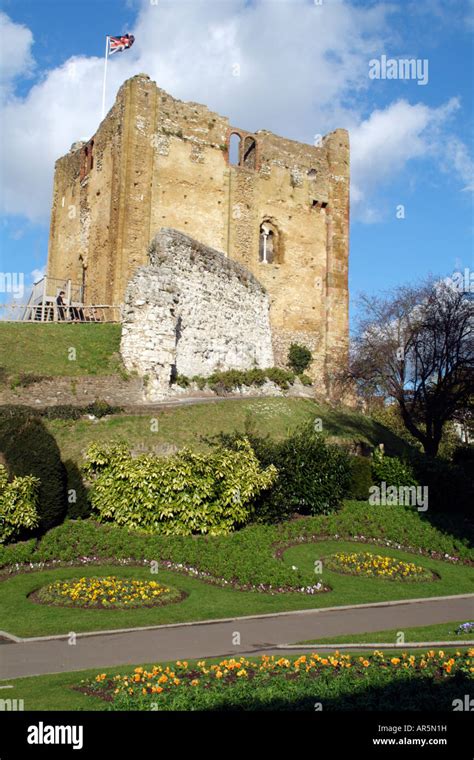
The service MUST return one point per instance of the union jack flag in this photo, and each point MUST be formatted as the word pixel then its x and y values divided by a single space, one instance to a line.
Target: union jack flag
pixel 118 44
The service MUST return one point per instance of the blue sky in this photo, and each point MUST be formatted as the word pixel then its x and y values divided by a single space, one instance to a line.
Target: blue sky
pixel 304 71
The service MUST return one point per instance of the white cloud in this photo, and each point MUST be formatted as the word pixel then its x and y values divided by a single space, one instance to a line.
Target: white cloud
pixel 15 51
pixel 384 143
pixel 302 68
pixel 38 274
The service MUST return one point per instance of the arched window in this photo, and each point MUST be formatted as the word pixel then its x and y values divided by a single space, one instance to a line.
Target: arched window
pixel 250 153
pixel 234 149
pixel 242 150
pixel 269 244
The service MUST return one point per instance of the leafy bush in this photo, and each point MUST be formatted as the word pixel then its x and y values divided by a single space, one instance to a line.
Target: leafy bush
pixel 18 500
pixel 299 358
pixel 225 382
pixel 280 377
pixel 464 455
pixel 183 494
pixel 361 478
pixel 78 504
pixel 392 471
pixel 60 411
pixel 29 449
pixel 23 551
pixel 313 476
pixel 450 485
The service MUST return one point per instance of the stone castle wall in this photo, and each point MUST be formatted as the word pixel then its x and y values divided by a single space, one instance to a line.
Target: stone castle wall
pixel 192 311
pixel 158 162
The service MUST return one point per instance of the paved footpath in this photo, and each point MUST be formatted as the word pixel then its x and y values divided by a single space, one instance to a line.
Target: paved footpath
pixel 258 634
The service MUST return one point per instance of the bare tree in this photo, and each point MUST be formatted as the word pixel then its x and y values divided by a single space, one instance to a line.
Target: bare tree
pixel 417 347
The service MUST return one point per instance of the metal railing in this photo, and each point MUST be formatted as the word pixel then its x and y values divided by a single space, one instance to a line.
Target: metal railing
pixel 49 311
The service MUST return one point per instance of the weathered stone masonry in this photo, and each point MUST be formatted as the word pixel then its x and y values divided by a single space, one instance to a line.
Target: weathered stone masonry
pixel 158 162
pixel 193 311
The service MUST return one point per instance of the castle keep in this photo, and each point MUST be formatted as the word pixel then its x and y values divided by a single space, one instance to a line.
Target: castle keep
pixel 279 208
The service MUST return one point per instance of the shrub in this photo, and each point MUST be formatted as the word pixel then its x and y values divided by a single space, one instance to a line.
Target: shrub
pixel 299 358
pixel 200 381
pixel 392 471
pixel 280 377
pixel 100 408
pixel 450 485
pixel 225 382
pixel 18 501
pixel 78 504
pixel 361 478
pixel 29 449
pixel 23 551
pixel 464 455
pixel 313 477
pixel 60 411
pixel 183 494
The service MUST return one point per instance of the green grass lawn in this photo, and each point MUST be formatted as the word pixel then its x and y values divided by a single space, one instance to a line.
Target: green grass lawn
pixel 437 632
pixel 337 691
pixel 43 349
pixel 205 601
pixel 188 425
pixel 351 589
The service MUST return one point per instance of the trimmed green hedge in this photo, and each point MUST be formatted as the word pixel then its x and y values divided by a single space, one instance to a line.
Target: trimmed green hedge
pixel 247 556
pixel 361 478
pixel 29 449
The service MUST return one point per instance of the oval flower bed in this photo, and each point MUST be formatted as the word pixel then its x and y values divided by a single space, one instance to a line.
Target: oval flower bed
pixel 109 592
pixel 377 566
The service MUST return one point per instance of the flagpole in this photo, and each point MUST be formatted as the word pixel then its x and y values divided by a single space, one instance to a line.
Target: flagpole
pixel 105 74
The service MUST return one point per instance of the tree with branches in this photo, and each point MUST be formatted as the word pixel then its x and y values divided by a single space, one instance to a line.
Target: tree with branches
pixel 416 347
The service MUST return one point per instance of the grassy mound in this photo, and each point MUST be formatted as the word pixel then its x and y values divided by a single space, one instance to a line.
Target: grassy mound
pixel 30 351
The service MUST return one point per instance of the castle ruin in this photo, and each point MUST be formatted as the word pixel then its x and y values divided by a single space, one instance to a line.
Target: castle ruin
pixel 280 209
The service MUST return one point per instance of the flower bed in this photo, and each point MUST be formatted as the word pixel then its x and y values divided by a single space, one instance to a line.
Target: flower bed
pixel 377 566
pixel 271 682
pixel 110 592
